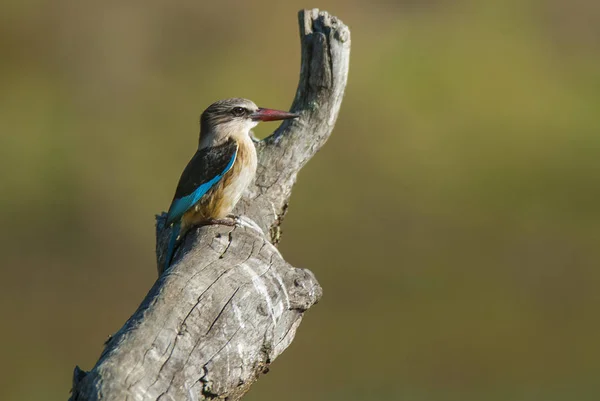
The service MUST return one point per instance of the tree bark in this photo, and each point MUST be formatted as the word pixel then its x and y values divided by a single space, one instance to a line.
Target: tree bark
pixel 230 304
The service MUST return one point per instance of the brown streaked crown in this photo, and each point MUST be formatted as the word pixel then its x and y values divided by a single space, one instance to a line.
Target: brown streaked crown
pixel 226 110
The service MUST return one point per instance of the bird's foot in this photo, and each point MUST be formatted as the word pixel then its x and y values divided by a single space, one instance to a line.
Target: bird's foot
pixel 225 222
pixel 237 219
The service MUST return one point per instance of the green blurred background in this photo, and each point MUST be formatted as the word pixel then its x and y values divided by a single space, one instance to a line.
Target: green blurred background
pixel 453 219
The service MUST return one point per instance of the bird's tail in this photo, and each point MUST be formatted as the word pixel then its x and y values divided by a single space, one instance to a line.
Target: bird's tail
pixel 172 242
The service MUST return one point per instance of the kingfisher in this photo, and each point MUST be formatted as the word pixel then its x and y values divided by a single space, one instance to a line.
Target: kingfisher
pixel 221 169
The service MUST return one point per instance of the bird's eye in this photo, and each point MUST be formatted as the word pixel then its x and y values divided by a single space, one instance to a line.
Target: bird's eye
pixel 238 111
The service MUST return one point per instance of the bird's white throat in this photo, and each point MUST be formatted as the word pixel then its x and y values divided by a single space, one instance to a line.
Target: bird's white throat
pixel 239 130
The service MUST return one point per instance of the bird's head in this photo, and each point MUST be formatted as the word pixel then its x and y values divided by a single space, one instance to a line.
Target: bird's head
pixel 233 117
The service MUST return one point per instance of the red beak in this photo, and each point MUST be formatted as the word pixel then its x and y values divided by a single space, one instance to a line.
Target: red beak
pixel 272 115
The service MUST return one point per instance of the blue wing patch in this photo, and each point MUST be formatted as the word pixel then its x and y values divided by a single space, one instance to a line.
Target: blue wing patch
pixel 180 206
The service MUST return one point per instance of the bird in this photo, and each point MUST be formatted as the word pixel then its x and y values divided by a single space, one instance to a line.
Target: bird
pixel 224 165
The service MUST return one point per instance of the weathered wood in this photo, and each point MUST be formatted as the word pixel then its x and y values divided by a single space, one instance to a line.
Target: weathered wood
pixel 230 304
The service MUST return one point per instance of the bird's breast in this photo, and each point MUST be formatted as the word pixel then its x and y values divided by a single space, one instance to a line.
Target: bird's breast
pixel 241 174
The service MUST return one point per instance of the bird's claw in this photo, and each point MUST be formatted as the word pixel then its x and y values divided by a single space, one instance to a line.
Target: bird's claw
pixel 237 220
pixel 228 221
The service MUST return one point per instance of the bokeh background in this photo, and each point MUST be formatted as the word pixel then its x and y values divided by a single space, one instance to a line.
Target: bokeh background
pixel 453 219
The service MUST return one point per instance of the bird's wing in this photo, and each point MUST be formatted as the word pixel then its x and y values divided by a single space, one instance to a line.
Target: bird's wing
pixel 205 169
